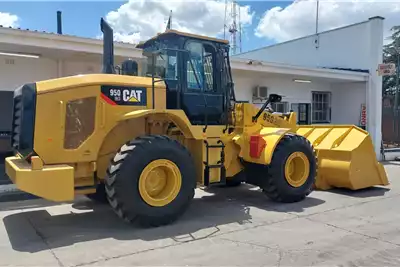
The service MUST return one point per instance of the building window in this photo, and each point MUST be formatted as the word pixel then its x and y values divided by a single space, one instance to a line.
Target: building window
pixel 321 107
pixel 280 107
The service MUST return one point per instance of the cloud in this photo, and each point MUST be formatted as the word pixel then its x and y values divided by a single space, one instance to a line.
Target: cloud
pixel 139 20
pixel 298 19
pixel 7 20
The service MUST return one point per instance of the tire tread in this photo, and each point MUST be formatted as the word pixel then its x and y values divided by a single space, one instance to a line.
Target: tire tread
pixel 115 200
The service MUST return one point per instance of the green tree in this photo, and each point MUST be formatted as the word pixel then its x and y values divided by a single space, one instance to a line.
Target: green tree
pixel 391 54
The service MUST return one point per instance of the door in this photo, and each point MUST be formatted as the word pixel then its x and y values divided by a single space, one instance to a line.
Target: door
pixel 202 95
pixel 303 111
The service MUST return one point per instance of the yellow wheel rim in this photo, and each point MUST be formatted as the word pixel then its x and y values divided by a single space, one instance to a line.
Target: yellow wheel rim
pixel 297 169
pixel 160 182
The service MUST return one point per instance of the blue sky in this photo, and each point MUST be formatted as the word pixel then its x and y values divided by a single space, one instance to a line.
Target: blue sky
pixel 82 18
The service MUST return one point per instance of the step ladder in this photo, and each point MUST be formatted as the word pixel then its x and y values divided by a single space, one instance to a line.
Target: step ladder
pixel 220 164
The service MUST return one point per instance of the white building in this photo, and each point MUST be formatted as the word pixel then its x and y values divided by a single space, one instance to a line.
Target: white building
pixel 336 99
pixel 319 80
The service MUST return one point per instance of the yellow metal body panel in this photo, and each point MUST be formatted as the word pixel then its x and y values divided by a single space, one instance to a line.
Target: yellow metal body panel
pixel 53 182
pixel 53 85
pixel 53 95
pixel 36 163
pixel 179 118
pixel 346 157
pixel 271 127
pixel 272 136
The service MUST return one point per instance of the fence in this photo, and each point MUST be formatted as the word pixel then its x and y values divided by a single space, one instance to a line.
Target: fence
pixel 390 123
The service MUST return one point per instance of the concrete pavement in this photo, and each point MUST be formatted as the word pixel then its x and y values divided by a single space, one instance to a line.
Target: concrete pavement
pixel 223 227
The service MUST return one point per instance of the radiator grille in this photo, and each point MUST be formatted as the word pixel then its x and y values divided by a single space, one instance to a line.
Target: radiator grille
pixel 17 120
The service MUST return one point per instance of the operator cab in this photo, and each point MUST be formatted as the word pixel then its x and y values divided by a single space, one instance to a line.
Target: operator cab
pixel 196 71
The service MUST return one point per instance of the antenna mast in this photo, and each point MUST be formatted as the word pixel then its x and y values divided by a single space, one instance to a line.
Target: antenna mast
pixel 235 26
pixel 316 26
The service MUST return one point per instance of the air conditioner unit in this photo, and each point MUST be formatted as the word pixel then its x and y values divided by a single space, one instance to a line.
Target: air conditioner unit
pixel 260 93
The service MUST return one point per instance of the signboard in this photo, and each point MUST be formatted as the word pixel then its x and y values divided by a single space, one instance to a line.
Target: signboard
pixel 363 119
pixel 386 69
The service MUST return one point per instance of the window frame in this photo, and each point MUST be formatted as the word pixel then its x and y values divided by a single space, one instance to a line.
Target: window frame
pixel 323 109
pixel 285 105
pixel 203 79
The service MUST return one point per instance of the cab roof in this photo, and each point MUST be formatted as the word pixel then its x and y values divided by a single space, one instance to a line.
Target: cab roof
pixel 178 33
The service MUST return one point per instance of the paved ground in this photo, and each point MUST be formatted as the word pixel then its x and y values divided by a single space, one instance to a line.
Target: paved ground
pixel 222 228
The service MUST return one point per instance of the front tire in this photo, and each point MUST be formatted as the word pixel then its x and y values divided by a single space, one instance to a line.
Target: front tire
pixel 292 172
pixel 151 180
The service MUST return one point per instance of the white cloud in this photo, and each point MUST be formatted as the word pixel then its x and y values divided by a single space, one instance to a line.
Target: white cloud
pixel 7 20
pixel 298 19
pixel 139 19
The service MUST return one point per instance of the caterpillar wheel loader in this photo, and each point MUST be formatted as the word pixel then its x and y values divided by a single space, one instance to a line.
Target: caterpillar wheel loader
pixel 145 136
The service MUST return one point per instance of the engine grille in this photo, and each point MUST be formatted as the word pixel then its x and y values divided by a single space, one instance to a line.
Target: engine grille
pixel 17 120
pixel 24 119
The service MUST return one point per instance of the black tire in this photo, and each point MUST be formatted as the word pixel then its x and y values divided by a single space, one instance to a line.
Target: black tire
pixel 236 180
pixel 123 178
pixel 272 179
pixel 100 195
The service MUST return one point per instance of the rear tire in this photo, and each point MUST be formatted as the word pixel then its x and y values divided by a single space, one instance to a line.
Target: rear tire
pixel 273 179
pixel 124 181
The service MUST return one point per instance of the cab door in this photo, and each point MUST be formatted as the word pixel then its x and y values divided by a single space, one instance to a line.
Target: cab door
pixel 201 94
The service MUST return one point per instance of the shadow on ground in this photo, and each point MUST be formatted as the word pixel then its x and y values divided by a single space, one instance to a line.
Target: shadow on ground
pixel 390 162
pixel 91 221
pixel 361 193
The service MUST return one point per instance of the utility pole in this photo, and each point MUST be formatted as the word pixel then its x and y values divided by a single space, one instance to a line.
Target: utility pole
pixel 316 26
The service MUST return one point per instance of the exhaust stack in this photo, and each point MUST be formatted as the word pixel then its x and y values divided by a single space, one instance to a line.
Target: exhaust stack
pixel 108 47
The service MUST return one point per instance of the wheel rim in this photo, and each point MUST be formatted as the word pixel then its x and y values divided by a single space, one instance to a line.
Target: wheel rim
pixel 160 182
pixel 297 169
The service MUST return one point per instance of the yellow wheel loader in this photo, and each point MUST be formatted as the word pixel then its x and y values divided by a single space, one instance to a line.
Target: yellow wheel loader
pixel 145 137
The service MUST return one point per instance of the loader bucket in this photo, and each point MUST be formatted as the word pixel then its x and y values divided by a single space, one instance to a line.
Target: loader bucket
pixel 346 157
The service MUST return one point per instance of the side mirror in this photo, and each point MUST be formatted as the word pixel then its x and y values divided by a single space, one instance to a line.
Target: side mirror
pixel 272 98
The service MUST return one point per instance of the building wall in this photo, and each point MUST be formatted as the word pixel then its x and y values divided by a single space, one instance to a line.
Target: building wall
pixel 16 71
pixel 277 84
pixel 80 67
pixel 346 47
pixel 346 98
pixel 75 67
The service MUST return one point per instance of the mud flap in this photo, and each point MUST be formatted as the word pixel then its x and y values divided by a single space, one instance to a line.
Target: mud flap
pixel 346 157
